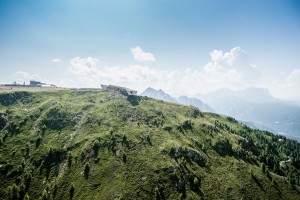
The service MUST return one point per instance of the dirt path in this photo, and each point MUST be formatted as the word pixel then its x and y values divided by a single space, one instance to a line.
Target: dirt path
pixel 282 163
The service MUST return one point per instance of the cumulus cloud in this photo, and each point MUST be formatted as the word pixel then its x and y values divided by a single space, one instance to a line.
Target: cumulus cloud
pixel 229 69
pixel 86 72
pixel 225 69
pixel 233 66
pixel 56 60
pixel 83 65
pixel 21 77
pixel 141 56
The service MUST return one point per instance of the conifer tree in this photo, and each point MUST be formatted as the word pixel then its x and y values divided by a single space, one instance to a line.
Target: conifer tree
pixel 72 191
pixel 86 170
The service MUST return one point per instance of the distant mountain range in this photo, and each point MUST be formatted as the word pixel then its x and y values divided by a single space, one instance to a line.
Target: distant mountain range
pixel 158 94
pixel 255 107
pixel 161 95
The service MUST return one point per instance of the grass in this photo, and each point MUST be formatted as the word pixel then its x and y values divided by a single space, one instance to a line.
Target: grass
pixel 70 121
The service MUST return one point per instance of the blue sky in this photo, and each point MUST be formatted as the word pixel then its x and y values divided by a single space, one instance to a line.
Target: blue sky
pixel 183 47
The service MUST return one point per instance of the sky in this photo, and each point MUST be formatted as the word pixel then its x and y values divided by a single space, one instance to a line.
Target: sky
pixel 183 47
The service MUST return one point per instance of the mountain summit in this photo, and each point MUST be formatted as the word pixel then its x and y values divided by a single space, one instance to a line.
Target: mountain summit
pixel 158 94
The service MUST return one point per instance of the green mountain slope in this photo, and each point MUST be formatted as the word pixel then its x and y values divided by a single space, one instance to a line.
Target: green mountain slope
pixel 104 145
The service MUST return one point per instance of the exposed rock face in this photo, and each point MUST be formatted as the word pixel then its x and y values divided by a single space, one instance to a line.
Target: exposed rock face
pixel 187 154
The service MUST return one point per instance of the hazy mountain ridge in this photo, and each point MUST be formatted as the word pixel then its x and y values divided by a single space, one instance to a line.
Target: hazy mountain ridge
pixel 161 95
pixel 194 102
pixel 251 94
pixel 258 106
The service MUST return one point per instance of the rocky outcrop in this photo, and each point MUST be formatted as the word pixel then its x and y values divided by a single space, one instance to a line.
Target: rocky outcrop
pixel 188 154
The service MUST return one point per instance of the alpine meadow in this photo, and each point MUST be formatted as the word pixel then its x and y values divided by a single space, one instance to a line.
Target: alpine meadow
pixel 81 144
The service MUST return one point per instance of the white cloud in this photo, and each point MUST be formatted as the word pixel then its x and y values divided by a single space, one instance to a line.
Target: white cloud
pixel 225 69
pixel 288 87
pixel 56 60
pixel 20 77
pixel 85 72
pixel 229 69
pixel 231 66
pixel 83 65
pixel 141 56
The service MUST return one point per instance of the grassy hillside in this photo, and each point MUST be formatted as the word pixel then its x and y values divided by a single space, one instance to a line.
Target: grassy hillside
pixel 104 145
